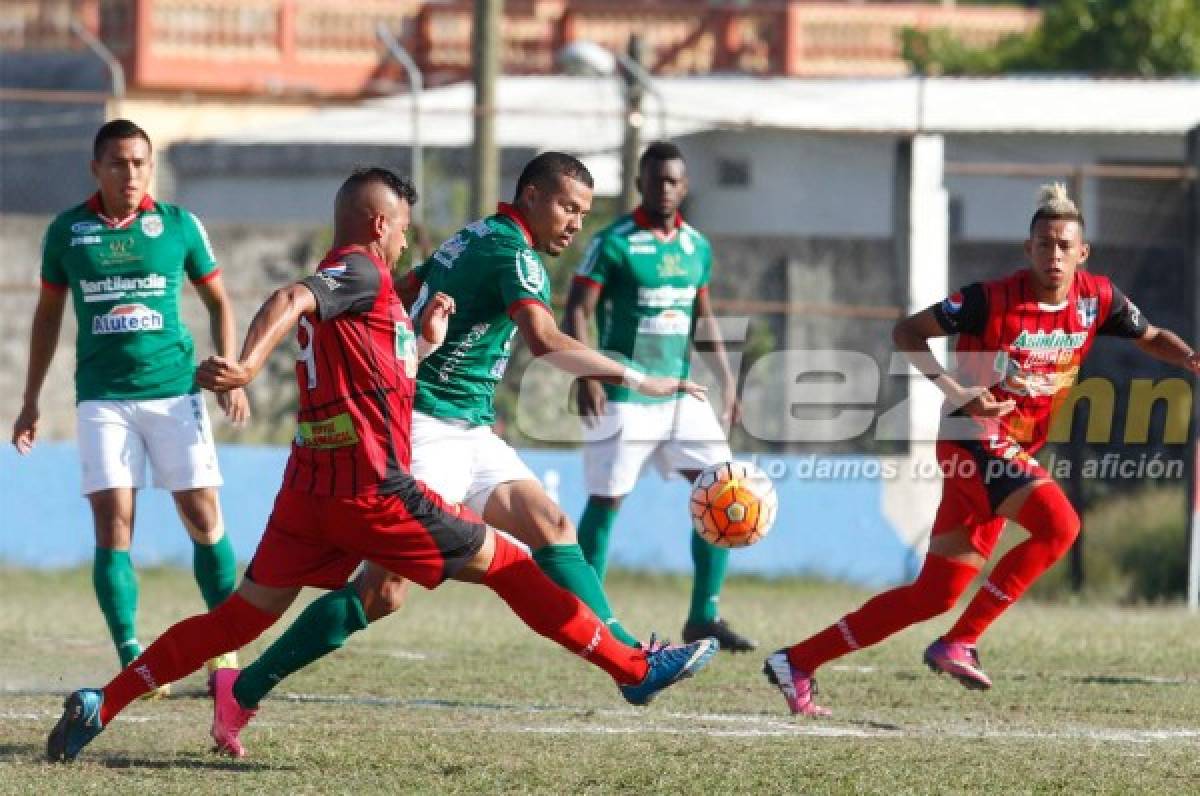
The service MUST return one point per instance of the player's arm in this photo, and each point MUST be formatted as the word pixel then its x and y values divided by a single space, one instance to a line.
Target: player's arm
pixel 224 336
pixel 577 323
pixel 545 339
pixel 43 342
pixel 912 335
pixel 1165 345
pixel 275 319
pixel 709 341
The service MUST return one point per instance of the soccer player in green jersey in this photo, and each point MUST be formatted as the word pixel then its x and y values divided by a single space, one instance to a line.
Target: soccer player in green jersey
pixel 645 279
pixel 122 257
pixel 493 272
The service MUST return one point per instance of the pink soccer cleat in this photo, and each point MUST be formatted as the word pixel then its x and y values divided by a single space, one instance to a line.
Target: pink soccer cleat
pixel 960 661
pixel 797 686
pixel 229 718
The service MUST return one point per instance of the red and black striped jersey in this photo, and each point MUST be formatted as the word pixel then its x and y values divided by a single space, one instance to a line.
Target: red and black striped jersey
pixel 1028 350
pixel 355 375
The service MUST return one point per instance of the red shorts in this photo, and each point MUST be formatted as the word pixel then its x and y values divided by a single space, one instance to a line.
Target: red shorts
pixel 317 540
pixel 977 476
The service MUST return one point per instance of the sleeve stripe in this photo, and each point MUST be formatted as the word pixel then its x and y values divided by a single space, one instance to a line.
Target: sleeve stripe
pixel 516 305
pixel 587 280
pixel 210 276
pixel 57 288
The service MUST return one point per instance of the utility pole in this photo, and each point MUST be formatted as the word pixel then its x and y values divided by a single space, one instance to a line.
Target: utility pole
pixel 485 49
pixel 631 144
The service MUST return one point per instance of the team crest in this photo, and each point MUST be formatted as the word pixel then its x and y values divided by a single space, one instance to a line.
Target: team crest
pixel 530 273
pixel 152 226
pixel 1086 309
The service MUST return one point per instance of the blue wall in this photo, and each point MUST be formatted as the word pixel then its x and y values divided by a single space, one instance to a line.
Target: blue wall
pixel 831 528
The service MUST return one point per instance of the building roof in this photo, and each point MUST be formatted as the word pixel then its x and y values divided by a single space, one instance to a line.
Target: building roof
pixel 583 115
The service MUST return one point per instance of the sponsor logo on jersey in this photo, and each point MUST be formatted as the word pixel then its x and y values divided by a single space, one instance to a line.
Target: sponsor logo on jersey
pixel 1135 315
pixel 666 296
pixel 86 227
pixel 953 304
pixel 642 236
pixel 460 351
pixel 112 288
pixel 667 322
pixel 643 248
pixel 530 272
pixel 152 225
pixel 331 274
pixel 125 318
pixel 406 348
pixel 1086 309
pixel 671 265
pixel 479 228
pixel 1056 339
pixel 85 240
pixel 450 249
pixel 335 432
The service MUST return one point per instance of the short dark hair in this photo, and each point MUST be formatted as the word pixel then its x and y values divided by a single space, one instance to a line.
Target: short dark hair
pixel 117 130
pixel 402 187
pixel 659 151
pixel 547 167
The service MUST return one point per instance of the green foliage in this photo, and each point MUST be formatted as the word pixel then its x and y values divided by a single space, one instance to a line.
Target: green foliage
pixel 1143 38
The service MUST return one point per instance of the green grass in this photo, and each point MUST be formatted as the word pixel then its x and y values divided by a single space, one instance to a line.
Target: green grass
pixel 455 696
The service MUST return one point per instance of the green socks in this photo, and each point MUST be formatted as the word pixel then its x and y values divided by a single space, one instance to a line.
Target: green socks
pixel 116 588
pixel 565 565
pixel 215 569
pixel 322 628
pixel 595 527
pixel 710 563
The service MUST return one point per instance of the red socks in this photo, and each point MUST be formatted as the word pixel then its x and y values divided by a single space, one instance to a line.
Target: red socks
pixel 1053 526
pixel 559 615
pixel 935 591
pixel 183 649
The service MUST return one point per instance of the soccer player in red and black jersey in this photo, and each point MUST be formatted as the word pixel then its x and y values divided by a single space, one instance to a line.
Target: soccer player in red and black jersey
pixel 347 493
pixel 1021 341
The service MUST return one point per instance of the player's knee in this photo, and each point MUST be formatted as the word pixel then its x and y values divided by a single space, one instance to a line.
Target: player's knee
pixel 387 598
pixel 554 527
pixel 1049 516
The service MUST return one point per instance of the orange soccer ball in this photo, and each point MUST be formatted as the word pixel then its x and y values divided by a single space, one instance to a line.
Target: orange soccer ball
pixel 733 504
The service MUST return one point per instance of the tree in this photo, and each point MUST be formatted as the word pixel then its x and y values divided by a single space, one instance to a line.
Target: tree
pixel 1142 38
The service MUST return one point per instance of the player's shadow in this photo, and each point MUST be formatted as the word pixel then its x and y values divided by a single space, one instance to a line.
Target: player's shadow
pixel 214 764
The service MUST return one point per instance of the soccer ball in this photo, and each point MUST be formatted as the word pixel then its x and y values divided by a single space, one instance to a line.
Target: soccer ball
pixel 733 504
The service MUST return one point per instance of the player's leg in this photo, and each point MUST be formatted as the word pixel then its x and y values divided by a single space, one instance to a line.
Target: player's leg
pixel 1043 510
pixel 178 652
pixel 595 531
pixel 698 441
pixel 560 616
pixel 964 533
pixel 523 509
pixel 214 564
pixel 113 459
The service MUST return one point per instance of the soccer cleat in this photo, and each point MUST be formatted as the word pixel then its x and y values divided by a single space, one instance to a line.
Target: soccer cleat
pixel 797 686
pixel 960 661
pixel 80 723
pixel 227 661
pixel 161 692
pixel 229 718
pixel 719 629
pixel 668 664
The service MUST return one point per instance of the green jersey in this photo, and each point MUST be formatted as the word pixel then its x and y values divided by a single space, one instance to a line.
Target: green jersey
pixel 125 278
pixel 490 269
pixel 648 288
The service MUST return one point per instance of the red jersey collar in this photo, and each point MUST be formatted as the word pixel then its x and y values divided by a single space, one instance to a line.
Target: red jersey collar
pixel 643 220
pixel 511 212
pixel 96 205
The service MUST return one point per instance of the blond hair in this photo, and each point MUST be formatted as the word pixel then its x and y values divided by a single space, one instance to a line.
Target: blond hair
pixel 1055 204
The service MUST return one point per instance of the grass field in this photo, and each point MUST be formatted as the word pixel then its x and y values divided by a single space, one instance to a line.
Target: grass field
pixel 454 695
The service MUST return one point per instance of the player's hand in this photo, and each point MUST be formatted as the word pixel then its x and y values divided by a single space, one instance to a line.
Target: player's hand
pixel 592 401
pixel 235 405
pixel 979 402
pixel 665 387
pixel 435 318
pixel 25 428
pixel 1192 363
pixel 222 375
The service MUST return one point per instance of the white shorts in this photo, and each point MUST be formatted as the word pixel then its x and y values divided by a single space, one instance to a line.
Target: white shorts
pixel 677 435
pixel 116 438
pixel 463 464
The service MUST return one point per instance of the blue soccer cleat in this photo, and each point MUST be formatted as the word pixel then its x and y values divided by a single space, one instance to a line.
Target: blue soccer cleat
pixel 668 665
pixel 80 723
